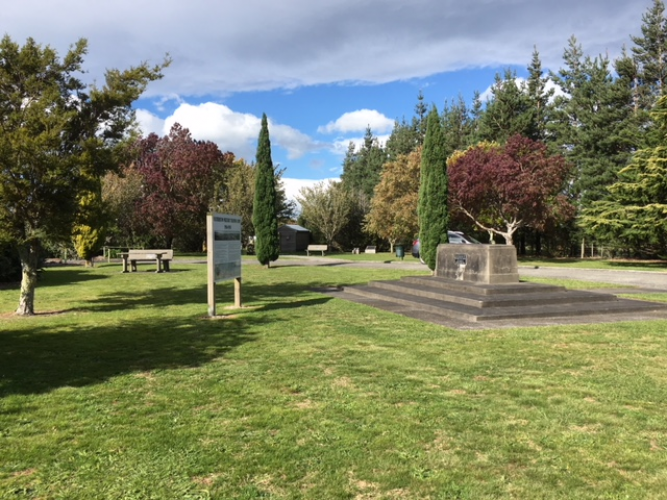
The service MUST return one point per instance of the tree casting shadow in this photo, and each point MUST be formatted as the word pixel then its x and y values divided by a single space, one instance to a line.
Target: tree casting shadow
pixel 48 357
pixel 78 353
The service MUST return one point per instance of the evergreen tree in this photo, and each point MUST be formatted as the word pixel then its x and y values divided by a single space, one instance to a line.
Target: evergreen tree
pixel 54 127
pixel 509 112
pixel 594 123
pixel 264 215
pixel 402 141
pixel 362 169
pixel 433 190
pixel 476 113
pixel 539 99
pixel 419 120
pixel 635 212
pixel 650 55
pixel 458 126
pixel 645 70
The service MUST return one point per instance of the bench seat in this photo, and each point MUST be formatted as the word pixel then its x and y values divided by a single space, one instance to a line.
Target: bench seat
pixel 161 257
pixel 316 248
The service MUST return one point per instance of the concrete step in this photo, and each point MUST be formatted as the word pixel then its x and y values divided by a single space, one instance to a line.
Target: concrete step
pixel 433 306
pixel 481 288
pixel 607 304
pixel 530 295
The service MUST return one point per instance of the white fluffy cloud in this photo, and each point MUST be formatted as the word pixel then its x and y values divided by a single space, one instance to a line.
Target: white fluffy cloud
pixel 238 132
pixel 357 121
pixel 230 130
pixel 294 186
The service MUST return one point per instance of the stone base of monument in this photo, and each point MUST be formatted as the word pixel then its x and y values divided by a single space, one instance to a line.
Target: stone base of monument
pixel 480 283
pixel 489 264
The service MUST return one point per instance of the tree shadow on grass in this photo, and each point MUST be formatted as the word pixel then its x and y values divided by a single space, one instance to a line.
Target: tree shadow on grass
pixel 79 352
pixel 49 357
pixel 67 276
pixel 286 294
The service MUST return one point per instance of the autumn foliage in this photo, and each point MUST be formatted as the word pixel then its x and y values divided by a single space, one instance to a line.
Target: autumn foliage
pixel 179 178
pixel 393 215
pixel 504 188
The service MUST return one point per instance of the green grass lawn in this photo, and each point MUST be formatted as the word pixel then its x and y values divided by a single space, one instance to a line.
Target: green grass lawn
pixel 609 264
pixel 122 388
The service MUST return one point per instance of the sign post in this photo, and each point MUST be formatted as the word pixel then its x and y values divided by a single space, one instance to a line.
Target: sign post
pixel 223 247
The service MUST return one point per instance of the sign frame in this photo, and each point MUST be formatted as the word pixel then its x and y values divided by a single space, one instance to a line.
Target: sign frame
pixel 223 255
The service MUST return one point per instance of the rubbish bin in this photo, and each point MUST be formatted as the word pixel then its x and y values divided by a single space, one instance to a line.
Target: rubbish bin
pixel 399 252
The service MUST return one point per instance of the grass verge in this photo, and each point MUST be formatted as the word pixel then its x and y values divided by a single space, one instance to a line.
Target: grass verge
pixel 122 388
pixel 613 264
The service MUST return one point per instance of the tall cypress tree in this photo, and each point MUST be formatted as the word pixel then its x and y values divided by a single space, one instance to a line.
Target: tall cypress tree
pixel 264 213
pixel 433 189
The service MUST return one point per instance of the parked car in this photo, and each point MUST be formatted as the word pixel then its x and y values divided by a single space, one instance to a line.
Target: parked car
pixel 455 237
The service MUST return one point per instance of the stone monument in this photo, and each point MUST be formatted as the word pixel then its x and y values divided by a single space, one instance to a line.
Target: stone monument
pixel 488 264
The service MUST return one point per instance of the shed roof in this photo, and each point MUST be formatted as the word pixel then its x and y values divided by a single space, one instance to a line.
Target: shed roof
pixel 296 227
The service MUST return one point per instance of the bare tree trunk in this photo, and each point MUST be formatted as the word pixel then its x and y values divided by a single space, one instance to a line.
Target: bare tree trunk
pixel 29 253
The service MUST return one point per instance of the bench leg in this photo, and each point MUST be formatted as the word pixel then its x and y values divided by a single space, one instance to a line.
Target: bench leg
pixel 165 266
pixel 158 264
pixel 133 266
pixel 125 265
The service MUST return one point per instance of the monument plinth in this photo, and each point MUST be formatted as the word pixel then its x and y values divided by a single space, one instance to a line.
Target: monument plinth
pixel 489 264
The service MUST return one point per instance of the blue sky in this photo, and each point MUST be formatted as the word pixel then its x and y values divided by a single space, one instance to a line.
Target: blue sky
pixel 321 70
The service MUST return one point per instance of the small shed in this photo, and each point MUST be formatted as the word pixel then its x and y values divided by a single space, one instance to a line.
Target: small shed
pixel 293 238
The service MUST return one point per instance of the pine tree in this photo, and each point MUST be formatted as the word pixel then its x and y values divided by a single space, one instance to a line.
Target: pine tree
pixel 264 215
pixel 645 69
pixel 594 123
pixel 508 112
pixel 635 212
pixel 539 98
pixel 361 169
pixel 420 118
pixel 650 55
pixel 433 190
pixel 402 141
pixel 458 126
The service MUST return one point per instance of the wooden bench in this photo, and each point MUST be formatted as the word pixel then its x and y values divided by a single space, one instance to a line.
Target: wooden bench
pixel 162 258
pixel 370 249
pixel 316 248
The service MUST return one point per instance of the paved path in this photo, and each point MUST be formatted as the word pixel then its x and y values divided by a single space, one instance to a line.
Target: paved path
pixel 654 281
pixel 649 280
